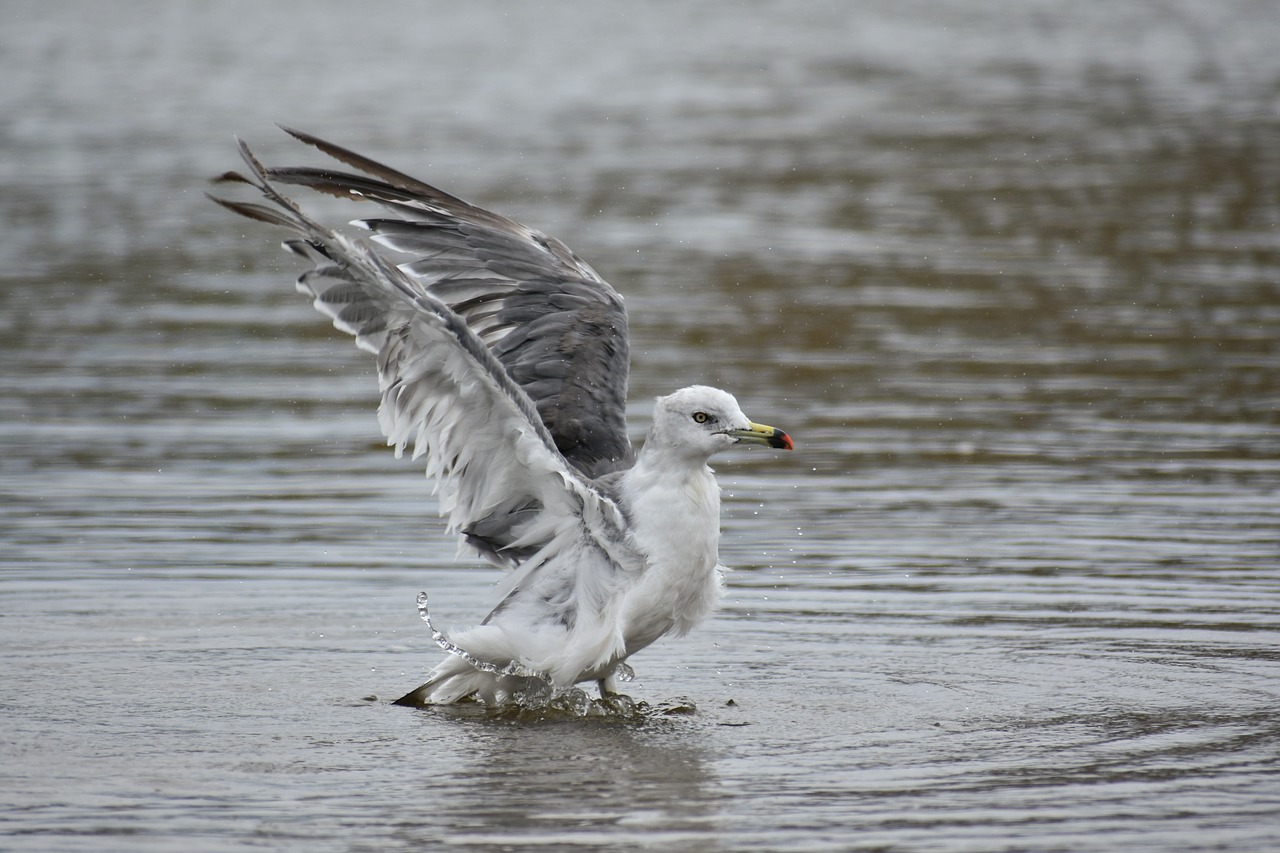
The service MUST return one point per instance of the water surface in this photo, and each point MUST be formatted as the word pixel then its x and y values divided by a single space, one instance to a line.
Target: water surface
pixel 1008 276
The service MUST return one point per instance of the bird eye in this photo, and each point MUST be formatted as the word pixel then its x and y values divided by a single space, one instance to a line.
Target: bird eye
pixel 701 417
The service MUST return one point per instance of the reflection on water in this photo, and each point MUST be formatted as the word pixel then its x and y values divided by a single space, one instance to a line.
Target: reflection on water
pixel 567 784
pixel 1008 275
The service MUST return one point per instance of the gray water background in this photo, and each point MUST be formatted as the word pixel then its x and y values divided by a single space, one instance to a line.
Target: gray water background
pixel 1008 272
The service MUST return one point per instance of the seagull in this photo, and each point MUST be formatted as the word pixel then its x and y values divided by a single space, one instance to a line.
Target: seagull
pixel 502 358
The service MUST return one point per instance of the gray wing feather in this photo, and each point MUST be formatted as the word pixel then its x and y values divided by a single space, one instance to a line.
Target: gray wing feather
pixel 506 487
pixel 554 324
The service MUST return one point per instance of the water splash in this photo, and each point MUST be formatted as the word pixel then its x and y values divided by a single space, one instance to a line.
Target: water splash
pixel 538 700
pixel 577 704
pixel 442 640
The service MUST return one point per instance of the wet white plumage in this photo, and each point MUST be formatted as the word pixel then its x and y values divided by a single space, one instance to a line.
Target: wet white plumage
pixel 501 358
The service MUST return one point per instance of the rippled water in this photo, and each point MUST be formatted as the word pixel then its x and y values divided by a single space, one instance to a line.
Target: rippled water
pixel 1010 275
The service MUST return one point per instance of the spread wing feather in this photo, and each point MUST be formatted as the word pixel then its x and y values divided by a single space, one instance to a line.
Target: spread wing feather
pixel 557 328
pixel 501 479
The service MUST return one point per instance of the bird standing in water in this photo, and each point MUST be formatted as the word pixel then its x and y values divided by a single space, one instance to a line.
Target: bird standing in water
pixel 502 359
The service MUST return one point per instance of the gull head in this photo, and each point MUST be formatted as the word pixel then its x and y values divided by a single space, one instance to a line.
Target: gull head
pixel 699 421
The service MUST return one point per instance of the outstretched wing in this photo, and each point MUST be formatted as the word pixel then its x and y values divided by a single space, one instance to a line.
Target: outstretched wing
pixel 502 482
pixel 554 324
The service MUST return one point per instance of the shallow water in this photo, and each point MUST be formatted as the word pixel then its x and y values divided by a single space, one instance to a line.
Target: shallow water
pixel 1009 277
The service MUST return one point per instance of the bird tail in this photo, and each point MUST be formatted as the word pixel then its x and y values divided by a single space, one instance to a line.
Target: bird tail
pixel 463 674
pixel 455 680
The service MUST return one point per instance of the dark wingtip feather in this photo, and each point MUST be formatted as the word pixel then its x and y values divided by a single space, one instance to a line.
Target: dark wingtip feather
pixel 251 160
pixel 301 135
pixel 253 211
pixel 382 172
pixel 231 177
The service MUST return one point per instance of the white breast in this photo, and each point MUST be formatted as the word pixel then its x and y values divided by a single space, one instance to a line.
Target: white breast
pixel 676 524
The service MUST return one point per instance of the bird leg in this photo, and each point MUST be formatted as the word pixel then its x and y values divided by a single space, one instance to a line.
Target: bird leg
pixel 608 686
